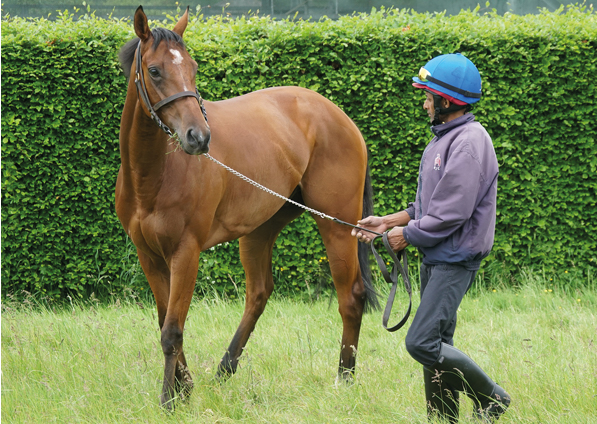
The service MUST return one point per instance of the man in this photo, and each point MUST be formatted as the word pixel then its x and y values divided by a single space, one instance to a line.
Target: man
pixel 452 223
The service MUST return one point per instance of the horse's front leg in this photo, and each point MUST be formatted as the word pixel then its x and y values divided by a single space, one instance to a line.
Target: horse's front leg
pixel 158 275
pixel 183 273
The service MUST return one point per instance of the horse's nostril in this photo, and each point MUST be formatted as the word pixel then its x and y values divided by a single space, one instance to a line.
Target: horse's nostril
pixel 198 140
pixel 192 136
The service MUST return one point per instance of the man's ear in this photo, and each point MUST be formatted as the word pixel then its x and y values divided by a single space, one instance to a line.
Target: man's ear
pixel 445 103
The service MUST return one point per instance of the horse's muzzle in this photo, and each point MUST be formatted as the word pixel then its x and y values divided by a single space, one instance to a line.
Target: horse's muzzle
pixel 196 141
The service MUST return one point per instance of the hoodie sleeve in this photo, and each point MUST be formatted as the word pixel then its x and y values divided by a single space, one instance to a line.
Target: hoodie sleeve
pixel 452 202
pixel 410 210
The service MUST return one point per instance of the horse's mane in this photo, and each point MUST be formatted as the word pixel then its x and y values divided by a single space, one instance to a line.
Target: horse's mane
pixel 127 52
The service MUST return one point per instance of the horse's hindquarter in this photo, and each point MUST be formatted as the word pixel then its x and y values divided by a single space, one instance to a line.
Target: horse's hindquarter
pixel 334 180
pixel 333 171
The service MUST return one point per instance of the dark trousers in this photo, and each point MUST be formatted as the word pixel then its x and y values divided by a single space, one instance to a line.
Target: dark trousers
pixel 442 289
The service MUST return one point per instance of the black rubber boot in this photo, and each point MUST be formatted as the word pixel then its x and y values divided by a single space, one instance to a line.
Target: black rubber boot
pixel 460 372
pixel 442 400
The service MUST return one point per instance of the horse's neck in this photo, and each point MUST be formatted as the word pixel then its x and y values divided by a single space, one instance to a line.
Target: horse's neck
pixel 143 149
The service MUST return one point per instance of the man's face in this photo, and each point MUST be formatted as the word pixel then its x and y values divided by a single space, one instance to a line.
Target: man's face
pixel 428 105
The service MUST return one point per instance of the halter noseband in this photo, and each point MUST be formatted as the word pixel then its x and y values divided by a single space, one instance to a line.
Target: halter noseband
pixel 142 92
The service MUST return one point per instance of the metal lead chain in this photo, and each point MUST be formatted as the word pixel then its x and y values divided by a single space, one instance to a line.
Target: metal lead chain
pixel 267 190
pixel 391 278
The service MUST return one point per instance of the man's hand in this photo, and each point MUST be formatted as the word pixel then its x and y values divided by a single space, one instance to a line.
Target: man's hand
pixel 374 223
pixel 379 225
pixel 396 239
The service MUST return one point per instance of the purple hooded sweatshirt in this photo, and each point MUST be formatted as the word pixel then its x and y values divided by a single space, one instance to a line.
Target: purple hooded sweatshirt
pixel 453 217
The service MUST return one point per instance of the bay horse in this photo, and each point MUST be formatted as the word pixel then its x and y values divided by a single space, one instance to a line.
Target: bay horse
pixel 174 203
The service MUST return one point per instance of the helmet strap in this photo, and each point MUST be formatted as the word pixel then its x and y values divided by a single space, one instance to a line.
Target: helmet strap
pixel 438 110
pixel 437 106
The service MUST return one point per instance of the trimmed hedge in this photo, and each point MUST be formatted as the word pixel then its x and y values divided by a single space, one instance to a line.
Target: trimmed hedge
pixel 63 92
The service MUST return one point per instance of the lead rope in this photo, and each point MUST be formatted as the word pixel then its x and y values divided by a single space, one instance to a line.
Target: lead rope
pixel 267 190
pixel 389 277
pixel 392 278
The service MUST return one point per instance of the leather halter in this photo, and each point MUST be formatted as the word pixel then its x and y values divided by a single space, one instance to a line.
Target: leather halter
pixel 142 92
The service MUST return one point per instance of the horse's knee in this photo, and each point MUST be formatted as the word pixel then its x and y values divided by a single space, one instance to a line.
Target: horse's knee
pixel 171 340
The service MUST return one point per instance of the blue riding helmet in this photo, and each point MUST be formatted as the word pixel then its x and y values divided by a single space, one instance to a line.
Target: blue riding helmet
pixel 453 75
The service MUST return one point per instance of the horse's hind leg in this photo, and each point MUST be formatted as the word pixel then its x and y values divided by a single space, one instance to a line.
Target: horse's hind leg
pixel 340 194
pixel 256 256
pixel 342 254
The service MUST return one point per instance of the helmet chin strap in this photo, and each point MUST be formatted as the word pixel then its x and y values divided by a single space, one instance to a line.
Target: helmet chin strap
pixel 438 110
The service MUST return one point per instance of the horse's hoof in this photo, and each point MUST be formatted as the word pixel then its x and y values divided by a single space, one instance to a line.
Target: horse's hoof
pixel 184 383
pixel 185 390
pixel 345 379
pixel 222 376
pixel 167 403
pixel 225 370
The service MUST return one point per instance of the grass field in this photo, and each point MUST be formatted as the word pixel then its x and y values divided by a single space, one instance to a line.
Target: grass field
pixel 102 363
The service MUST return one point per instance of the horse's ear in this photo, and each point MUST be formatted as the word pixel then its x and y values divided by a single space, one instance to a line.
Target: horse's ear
pixel 141 26
pixel 181 25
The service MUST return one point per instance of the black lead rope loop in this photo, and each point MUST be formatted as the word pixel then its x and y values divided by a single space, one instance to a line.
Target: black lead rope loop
pixel 392 278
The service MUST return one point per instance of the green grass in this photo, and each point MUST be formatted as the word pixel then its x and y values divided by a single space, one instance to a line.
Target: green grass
pixel 98 363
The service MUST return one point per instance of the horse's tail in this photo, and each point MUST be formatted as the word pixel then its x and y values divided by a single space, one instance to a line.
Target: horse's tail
pixel 371 300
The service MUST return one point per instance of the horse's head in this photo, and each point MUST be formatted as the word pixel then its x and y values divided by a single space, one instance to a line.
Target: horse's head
pixel 165 78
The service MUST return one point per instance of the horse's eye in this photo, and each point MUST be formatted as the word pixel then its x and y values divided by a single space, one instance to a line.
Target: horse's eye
pixel 154 72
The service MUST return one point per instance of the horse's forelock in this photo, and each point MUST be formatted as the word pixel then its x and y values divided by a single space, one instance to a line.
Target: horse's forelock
pixel 127 52
pixel 163 34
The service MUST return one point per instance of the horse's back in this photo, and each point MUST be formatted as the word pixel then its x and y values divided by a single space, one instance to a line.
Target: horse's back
pixel 295 117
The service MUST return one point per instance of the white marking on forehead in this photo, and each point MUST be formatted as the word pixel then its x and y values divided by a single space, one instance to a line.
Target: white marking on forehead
pixel 177 57
pixel 177 61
